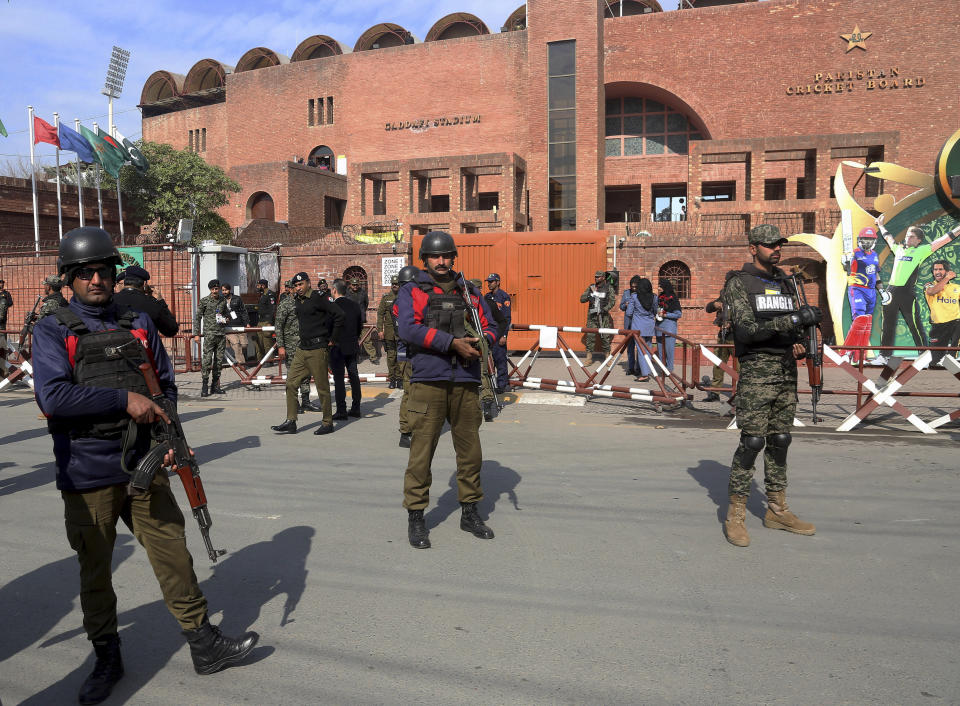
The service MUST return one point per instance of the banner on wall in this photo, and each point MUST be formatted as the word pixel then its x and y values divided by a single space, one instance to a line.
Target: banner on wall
pixel 131 256
pixel 895 285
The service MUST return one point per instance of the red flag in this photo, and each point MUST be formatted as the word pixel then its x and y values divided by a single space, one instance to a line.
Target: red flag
pixel 44 132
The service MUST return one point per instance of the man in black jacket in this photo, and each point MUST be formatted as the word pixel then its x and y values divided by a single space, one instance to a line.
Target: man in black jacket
pixel 343 355
pixel 266 311
pixel 320 324
pixel 133 296
pixel 358 293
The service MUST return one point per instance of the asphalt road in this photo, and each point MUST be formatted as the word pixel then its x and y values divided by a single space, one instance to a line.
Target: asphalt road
pixel 609 580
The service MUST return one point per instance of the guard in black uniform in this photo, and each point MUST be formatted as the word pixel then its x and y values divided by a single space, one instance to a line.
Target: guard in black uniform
pixel 133 296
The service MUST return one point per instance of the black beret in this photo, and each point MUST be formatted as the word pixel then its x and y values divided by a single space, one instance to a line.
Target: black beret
pixel 300 277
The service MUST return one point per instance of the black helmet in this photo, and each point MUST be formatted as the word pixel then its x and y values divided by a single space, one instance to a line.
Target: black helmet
pixel 407 274
pixel 87 244
pixel 437 242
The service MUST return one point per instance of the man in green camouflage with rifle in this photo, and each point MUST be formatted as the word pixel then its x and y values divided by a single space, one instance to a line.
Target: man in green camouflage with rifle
pixel 388 331
pixel 767 332
pixel 209 321
pixel 288 337
pixel 488 400
pixel 52 298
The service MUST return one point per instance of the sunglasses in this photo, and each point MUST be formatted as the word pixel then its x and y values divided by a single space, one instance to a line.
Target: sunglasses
pixel 87 273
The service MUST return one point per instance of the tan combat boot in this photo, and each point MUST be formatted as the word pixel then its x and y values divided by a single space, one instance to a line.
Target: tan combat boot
pixel 733 527
pixel 779 516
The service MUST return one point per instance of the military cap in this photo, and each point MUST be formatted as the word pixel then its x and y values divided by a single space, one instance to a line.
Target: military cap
pixel 319 281
pixel 53 280
pixel 134 271
pixel 288 283
pixel 394 280
pixel 474 282
pixel 599 273
pixel 354 280
pixel 301 277
pixel 765 234
pixel 493 277
pixel 213 284
pixel 264 282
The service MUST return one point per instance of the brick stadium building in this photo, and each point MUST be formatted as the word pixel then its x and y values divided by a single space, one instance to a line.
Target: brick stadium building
pixel 673 132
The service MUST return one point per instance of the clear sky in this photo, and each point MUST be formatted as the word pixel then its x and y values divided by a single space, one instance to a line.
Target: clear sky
pixel 56 54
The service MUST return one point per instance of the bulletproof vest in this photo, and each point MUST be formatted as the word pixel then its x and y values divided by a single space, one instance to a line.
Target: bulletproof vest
pixel 445 312
pixel 770 298
pixel 109 358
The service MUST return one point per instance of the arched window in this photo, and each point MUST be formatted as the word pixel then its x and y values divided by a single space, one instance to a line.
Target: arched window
pixel 260 205
pixel 623 8
pixel 679 276
pixel 641 126
pixel 321 157
pixel 356 272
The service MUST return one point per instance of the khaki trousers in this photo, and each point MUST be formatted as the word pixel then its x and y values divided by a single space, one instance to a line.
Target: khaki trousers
pixel 431 404
pixel 157 523
pixel 306 363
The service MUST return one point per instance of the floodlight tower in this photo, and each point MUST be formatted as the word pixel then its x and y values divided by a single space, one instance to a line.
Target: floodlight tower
pixel 116 73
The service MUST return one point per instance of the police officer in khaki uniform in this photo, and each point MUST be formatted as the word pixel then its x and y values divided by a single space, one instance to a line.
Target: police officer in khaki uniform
pixel 406 274
pixel 320 321
pixel 388 332
pixel 90 399
pixel 444 384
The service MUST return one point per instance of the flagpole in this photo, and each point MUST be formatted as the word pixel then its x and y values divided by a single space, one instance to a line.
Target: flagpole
pixel 99 197
pixel 76 122
pixel 33 181
pixel 119 201
pixel 56 125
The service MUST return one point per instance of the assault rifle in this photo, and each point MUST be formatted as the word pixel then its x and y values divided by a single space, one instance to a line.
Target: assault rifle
pixel 487 369
pixel 28 322
pixel 173 440
pixel 814 354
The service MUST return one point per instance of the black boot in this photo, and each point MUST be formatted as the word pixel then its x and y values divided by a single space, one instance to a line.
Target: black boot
pixel 106 672
pixel 393 384
pixel 305 402
pixel 215 388
pixel 405 437
pixel 417 530
pixel 289 426
pixel 204 390
pixel 212 650
pixel 399 383
pixel 712 397
pixel 340 415
pixel 470 522
pixel 355 410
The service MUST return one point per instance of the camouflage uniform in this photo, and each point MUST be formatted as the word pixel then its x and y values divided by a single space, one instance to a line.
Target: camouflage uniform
pixel 3 336
pixel 766 398
pixel 388 332
pixel 51 302
pixel 209 310
pixel 599 319
pixel 288 335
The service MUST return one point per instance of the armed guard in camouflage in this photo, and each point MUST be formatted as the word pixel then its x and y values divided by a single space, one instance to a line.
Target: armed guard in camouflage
pixel 209 321
pixel 387 330
pixel 288 337
pixel 767 331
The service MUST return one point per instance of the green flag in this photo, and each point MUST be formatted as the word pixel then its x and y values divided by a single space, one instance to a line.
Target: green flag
pixel 135 155
pixel 109 156
pixel 3 130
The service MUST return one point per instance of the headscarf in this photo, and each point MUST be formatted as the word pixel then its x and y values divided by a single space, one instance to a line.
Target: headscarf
pixel 645 293
pixel 668 299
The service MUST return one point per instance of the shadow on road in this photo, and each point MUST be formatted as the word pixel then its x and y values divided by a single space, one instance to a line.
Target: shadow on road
pixel 497 480
pixel 44 473
pixel 714 477
pixel 24 435
pixel 241 585
pixel 209 453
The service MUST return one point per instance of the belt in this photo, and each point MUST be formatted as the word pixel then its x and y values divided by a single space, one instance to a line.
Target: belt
pixel 311 343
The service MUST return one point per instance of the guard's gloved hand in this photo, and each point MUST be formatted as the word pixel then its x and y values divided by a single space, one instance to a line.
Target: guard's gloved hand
pixel 807 315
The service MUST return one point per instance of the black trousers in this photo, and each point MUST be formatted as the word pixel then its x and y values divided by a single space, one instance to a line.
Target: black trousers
pixel 340 362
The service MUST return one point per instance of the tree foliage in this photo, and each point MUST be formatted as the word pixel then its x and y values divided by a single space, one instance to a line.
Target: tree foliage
pixel 178 184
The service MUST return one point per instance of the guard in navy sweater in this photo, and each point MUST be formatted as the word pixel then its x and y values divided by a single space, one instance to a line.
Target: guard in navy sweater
pixel 444 384
pixel 87 383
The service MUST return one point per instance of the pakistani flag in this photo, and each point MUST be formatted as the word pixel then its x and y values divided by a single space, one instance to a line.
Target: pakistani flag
pixel 3 130
pixel 112 158
pixel 135 155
